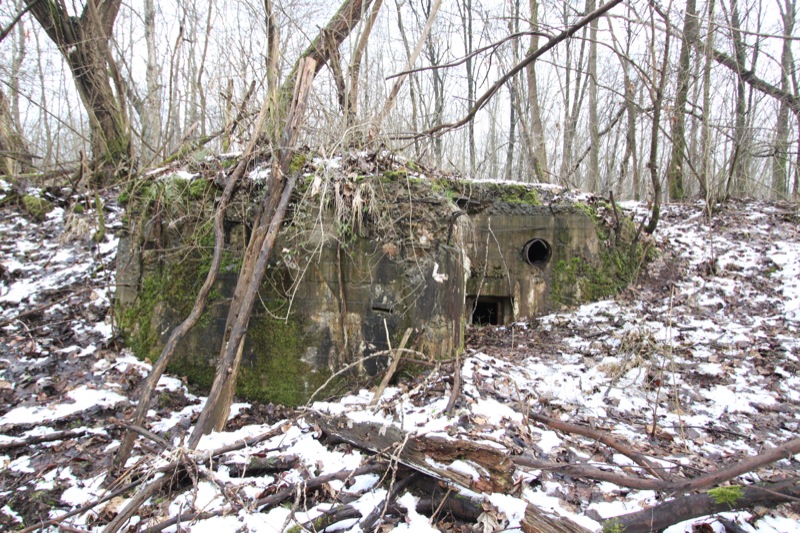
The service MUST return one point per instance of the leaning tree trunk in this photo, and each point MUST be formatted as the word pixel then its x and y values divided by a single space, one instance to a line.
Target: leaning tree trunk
pixel 109 132
pixel 269 221
pixel 83 41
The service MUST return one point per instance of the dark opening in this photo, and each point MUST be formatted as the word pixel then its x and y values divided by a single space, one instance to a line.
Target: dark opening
pixel 485 313
pixel 490 311
pixel 537 252
pixel 382 308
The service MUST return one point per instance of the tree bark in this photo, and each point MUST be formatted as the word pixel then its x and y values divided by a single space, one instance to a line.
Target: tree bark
pixel 465 7
pixel 594 128
pixel 736 171
pixel 513 27
pixel 658 99
pixel 151 108
pixel 780 159
pixel 540 169
pixel 337 30
pixel 83 42
pixel 269 221
pixel 433 456
pixel 687 507
pixel 675 169
pixel 14 155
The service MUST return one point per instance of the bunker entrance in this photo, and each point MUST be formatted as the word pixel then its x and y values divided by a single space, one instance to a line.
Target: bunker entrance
pixel 489 310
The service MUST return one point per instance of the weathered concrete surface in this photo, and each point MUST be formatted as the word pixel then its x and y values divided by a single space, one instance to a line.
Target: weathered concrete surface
pixel 361 259
pixel 495 245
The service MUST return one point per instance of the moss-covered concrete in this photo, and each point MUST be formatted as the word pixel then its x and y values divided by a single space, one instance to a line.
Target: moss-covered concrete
pixel 621 256
pixel 361 256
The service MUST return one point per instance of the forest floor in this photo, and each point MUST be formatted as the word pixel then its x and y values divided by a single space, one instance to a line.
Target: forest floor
pixel 694 367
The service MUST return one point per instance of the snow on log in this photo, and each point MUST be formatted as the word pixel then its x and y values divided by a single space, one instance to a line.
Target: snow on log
pixel 474 466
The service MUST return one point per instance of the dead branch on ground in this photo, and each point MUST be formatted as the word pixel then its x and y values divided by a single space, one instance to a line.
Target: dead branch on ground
pixel 686 507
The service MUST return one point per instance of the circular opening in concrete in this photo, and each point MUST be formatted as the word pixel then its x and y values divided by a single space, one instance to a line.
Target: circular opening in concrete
pixel 537 252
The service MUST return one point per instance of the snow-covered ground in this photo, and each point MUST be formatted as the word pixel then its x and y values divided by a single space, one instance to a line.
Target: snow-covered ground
pixel 696 367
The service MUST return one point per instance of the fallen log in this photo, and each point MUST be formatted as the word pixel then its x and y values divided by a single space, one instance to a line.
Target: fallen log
pixel 258 466
pixel 268 502
pixel 702 482
pixel 38 439
pixel 538 521
pixel 368 523
pixel 263 504
pixel 337 514
pixel 686 507
pixel 471 465
pixel 470 510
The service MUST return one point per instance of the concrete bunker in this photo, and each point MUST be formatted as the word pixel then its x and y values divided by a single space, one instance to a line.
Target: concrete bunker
pixel 363 257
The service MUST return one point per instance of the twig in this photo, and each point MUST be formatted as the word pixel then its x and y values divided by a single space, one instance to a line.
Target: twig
pixel 705 481
pixel 135 503
pixel 317 482
pixel 368 523
pixel 40 308
pixel 337 514
pixel 142 431
pixel 341 371
pixel 600 436
pixel 80 510
pixel 50 437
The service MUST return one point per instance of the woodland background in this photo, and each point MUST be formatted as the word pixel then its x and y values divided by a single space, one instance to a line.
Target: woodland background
pixel 700 98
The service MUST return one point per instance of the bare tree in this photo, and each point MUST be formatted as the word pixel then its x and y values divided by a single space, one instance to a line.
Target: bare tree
pixel 540 167
pixel 14 154
pixel 594 128
pixel 780 159
pixel 265 230
pixel 84 43
pixel 465 8
pixel 675 170
pixel 736 170
pixel 513 28
pixel 659 83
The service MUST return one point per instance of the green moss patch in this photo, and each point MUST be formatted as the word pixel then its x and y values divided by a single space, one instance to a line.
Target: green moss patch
pixel 621 258
pixel 36 207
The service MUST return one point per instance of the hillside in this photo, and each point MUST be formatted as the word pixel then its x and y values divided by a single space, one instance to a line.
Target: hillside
pixel 692 370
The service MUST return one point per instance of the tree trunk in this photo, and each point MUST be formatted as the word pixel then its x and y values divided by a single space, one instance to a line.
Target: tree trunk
pixel 594 128
pixel 706 180
pixel 513 27
pixel 572 110
pixel 780 159
pixel 540 168
pixel 465 6
pixel 267 225
pixel 736 170
pixel 354 71
pixel 83 41
pixel 14 155
pixel 442 458
pixel 151 110
pixel 671 512
pixel 658 99
pixel 675 169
